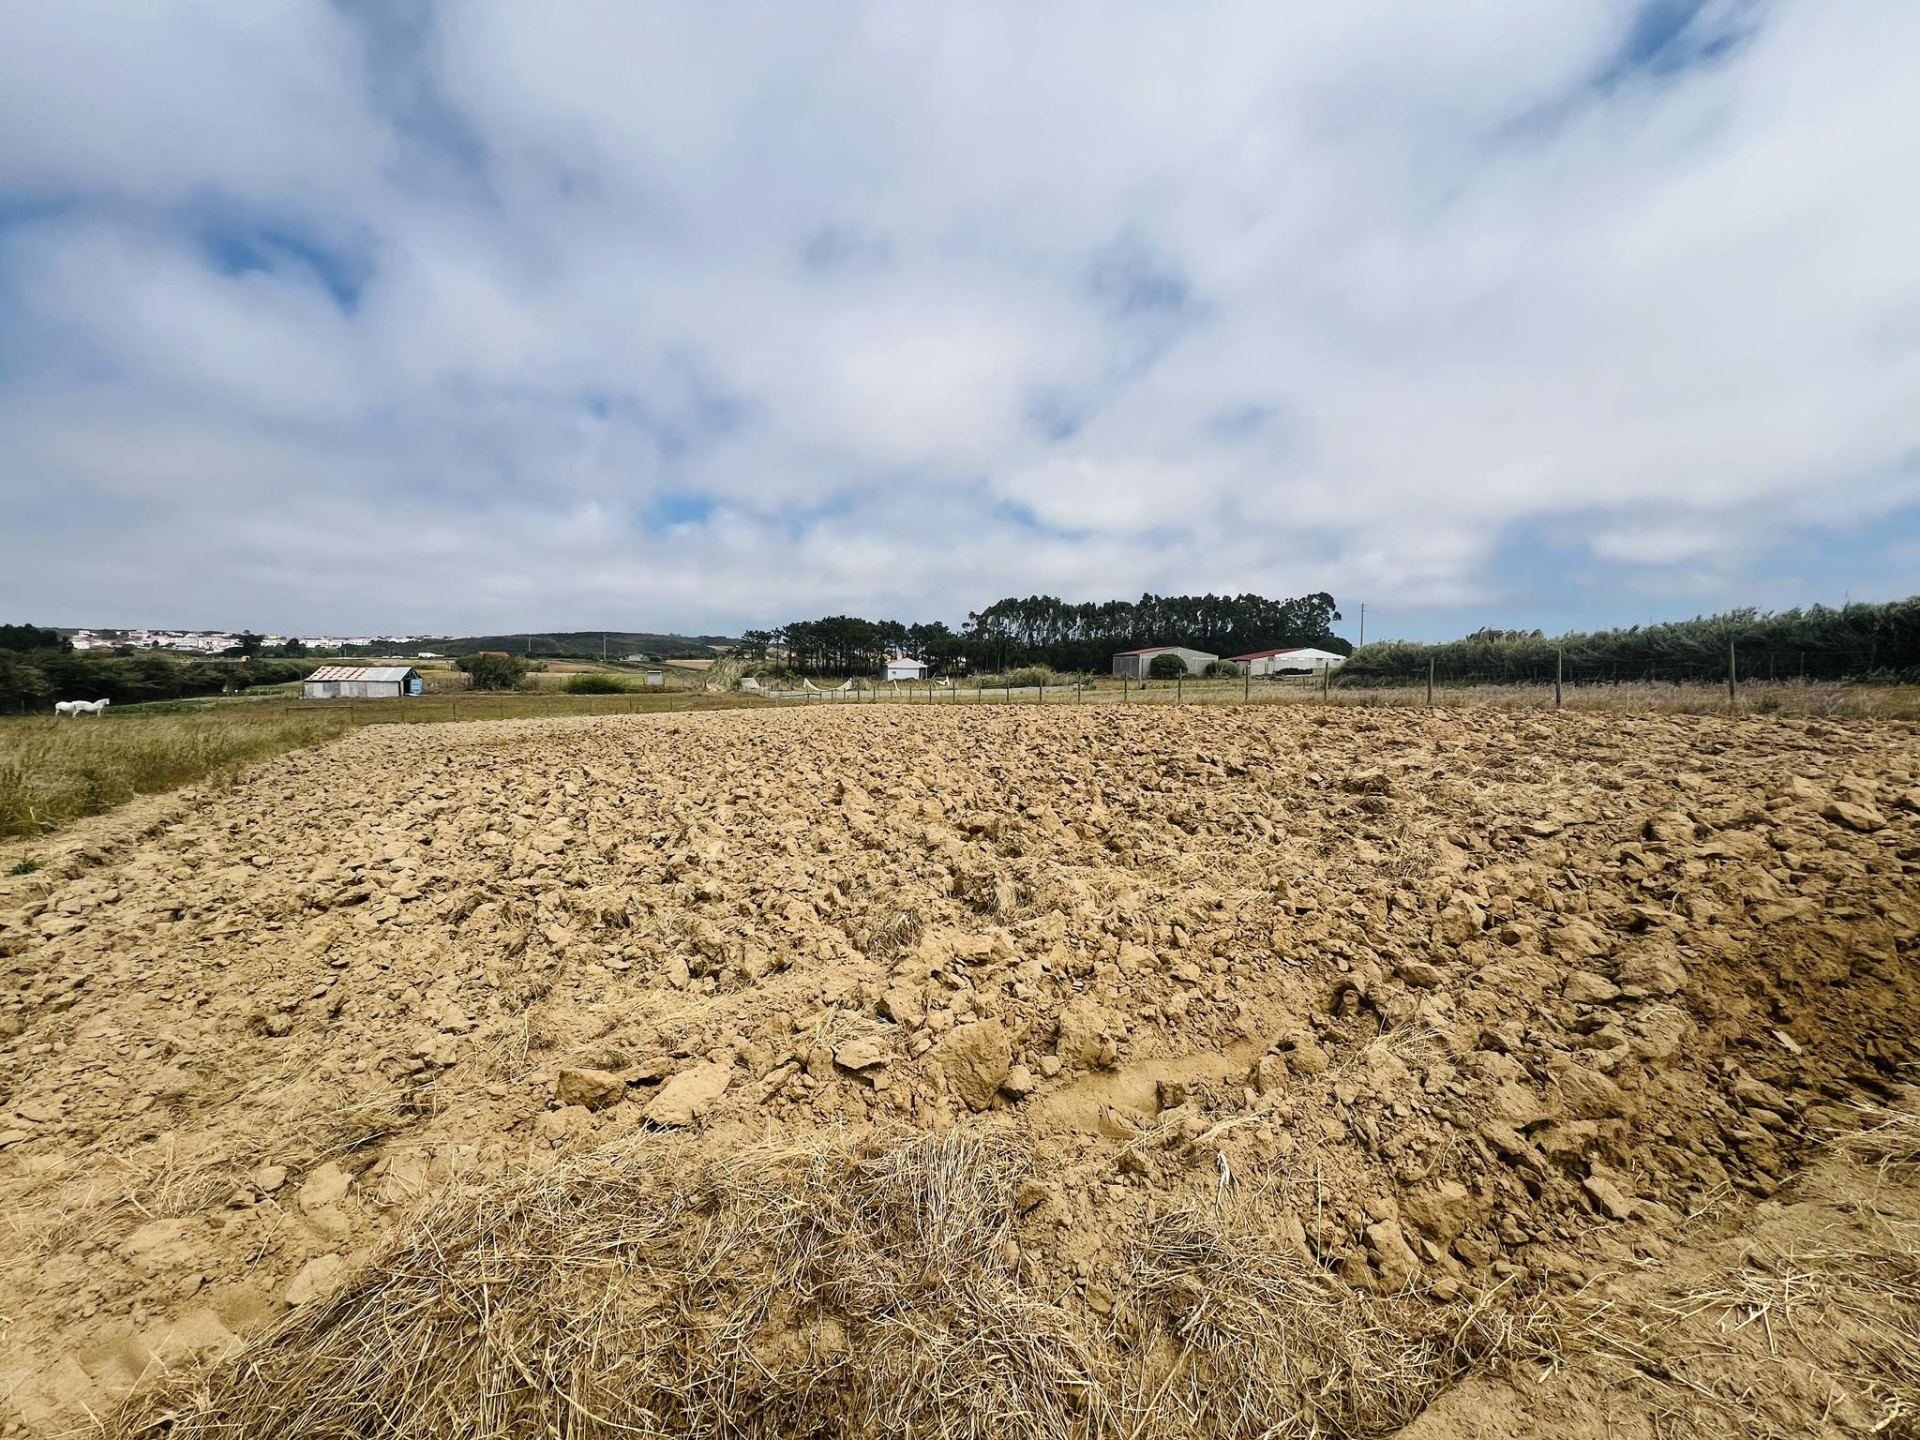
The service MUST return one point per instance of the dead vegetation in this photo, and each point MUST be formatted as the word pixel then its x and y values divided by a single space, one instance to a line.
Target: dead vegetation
pixel 55 771
pixel 874 1286
pixel 1887 1137
pixel 861 1288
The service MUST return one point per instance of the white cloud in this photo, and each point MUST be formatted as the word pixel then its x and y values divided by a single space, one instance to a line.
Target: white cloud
pixel 936 304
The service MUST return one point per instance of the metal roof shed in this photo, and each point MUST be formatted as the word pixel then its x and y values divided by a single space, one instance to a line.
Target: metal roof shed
pixel 362 682
pixel 1137 662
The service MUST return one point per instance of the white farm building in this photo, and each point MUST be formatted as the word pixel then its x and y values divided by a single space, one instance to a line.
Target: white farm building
pixel 905 667
pixel 362 682
pixel 1288 659
pixel 1138 663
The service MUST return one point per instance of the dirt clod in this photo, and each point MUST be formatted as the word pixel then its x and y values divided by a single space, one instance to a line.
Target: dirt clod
pixel 595 1089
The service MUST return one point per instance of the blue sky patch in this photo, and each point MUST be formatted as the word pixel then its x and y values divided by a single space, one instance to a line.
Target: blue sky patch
pixel 237 251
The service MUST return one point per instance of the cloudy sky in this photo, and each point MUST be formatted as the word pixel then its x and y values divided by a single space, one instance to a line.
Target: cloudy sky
pixel 484 315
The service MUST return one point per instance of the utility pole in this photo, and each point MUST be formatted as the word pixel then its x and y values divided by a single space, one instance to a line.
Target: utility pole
pixel 1363 624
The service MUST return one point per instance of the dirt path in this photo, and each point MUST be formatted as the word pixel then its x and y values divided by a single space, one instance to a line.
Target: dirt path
pixel 1464 1006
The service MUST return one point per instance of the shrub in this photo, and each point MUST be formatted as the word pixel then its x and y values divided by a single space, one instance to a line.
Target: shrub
pixel 1024 678
pixel 1029 676
pixel 494 670
pixel 1221 670
pixel 1167 667
pixel 594 683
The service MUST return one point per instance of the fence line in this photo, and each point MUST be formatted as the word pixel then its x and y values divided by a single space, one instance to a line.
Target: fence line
pixel 1743 678
pixel 1746 662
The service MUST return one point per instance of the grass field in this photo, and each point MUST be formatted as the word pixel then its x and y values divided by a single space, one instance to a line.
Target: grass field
pixel 55 771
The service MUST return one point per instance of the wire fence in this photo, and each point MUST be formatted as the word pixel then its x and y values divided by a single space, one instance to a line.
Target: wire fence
pixel 1756 679
pixel 1744 663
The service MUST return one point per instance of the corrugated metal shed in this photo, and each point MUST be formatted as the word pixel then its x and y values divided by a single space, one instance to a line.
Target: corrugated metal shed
pixel 1137 662
pixel 362 672
pixel 362 682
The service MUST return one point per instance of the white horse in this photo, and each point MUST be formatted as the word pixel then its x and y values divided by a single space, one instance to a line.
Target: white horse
pixel 77 708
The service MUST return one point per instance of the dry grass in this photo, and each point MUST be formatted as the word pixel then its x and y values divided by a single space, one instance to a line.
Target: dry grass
pixel 1831 1329
pixel 851 1290
pixel 1819 1320
pixel 1889 1137
pixel 55 771
pixel 1237 1337
pixel 860 1288
pixel 871 1287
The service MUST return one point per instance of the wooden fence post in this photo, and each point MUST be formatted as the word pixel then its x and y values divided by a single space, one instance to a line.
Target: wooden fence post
pixel 1559 665
pixel 1733 690
pixel 1246 682
pixel 1326 681
pixel 1429 682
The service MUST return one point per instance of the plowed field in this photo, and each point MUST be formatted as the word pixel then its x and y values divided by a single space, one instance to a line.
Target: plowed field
pixel 1288 1064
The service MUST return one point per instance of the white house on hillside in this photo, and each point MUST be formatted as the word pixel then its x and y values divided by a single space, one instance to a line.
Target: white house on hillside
pixel 905 667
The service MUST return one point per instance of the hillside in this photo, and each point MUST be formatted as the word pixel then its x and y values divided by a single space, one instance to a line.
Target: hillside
pixel 586 644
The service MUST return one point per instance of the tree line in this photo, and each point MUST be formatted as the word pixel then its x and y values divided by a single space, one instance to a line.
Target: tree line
pixel 1045 630
pixel 1855 641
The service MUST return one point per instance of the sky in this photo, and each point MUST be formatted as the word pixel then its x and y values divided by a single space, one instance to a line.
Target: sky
pixel 460 318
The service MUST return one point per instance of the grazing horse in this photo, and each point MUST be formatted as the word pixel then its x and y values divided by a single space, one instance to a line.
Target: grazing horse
pixel 78 708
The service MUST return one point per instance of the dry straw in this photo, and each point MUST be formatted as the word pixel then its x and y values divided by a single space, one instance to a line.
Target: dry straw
pixel 856 1289
pixel 864 1287
pixel 871 1286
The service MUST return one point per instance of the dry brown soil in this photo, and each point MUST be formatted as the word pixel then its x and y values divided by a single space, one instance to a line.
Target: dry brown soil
pixel 1466 1008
